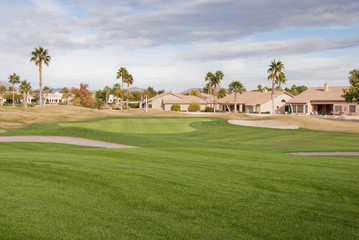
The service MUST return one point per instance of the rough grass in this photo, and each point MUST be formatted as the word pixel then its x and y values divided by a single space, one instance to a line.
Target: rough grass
pixel 218 181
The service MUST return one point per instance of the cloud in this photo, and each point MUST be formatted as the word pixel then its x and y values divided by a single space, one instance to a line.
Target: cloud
pixel 140 23
pixel 274 48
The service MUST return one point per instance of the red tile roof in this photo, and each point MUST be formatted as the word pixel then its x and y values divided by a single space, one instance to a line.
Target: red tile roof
pixel 251 98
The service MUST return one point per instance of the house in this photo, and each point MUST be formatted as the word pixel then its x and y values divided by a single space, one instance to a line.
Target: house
pixel 256 101
pixel 165 100
pixel 322 101
pixel 53 98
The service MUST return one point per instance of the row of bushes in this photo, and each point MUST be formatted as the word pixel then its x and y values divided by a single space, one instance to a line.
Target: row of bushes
pixel 193 107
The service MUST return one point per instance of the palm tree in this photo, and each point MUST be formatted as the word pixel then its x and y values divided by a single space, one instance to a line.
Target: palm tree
pixel 218 77
pixel 2 91
pixel 39 56
pixel 47 90
pixel 281 79
pixel 275 68
pixel 107 90
pixel 210 78
pixel 122 73
pixel 236 87
pixel 14 79
pixel 25 88
pixel 129 81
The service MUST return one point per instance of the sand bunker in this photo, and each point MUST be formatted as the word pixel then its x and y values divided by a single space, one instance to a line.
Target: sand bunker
pixel 326 153
pixel 264 124
pixel 65 140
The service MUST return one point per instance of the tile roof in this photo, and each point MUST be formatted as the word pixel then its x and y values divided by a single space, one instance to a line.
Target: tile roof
pixel 318 94
pixel 181 98
pixel 252 98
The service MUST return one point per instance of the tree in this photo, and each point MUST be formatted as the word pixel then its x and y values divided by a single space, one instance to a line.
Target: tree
pixel 66 94
pixel 129 81
pixel 83 96
pixel 295 90
pixel 25 88
pixel 122 73
pixel 195 93
pixel 259 88
pixel 152 92
pixel 14 79
pixel 236 87
pixel 160 91
pixel 281 80
pixel 222 93
pixel 352 94
pixel 2 91
pixel 210 78
pixel 46 90
pixel 275 69
pixel 107 91
pixel 40 56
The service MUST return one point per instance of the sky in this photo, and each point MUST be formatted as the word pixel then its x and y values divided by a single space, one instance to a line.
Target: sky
pixel 171 45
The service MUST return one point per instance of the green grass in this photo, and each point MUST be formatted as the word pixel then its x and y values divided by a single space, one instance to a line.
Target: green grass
pixel 195 178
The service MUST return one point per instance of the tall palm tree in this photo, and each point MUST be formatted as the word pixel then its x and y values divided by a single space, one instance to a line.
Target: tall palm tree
pixel 218 77
pixel 129 81
pixel 210 78
pixel 236 87
pixel 14 79
pixel 46 90
pixel 25 88
pixel 40 56
pixel 275 68
pixel 122 73
pixel 2 91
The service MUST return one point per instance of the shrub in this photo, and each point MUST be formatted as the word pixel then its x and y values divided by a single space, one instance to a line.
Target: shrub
pixel 265 112
pixel 98 104
pixel 134 105
pixel 175 107
pixel 194 107
pixel 209 109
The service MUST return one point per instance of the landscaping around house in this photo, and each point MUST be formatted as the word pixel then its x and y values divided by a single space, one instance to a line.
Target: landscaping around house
pixel 193 178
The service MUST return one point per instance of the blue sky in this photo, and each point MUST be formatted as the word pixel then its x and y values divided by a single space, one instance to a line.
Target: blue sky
pixel 171 45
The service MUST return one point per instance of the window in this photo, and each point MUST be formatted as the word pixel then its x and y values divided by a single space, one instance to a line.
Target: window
pixel 352 108
pixel 294 108
pixel 338 108
pixel 306 108
pixel 300 109
pixel 283 100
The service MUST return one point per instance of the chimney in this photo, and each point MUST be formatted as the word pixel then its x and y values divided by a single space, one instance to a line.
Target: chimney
pixel 326 87
pixel 264 90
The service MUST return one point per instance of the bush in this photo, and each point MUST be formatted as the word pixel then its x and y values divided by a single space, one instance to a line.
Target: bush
pixel 265 112
pixel 175 107
pixel 194 107
pixel 134 105
pixel 98 104
pixel 209 109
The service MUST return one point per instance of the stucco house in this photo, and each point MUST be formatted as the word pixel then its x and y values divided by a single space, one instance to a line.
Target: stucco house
pixel 165 100
pixel 256 101
pixel 322 101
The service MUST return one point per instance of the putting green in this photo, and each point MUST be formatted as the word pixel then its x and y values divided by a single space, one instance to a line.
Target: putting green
pixel 140 125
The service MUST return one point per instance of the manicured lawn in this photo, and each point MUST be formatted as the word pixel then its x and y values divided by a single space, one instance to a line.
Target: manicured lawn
pixel 195 178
